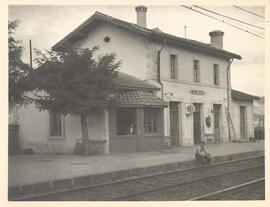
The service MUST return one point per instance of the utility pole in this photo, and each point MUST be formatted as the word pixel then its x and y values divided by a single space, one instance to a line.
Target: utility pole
pixel 185 27
pixel 30 47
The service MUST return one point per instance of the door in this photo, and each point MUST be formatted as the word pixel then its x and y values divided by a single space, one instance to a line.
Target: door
pixel 216 109
pixel 243 122
pixel 174 122
pixel 197 124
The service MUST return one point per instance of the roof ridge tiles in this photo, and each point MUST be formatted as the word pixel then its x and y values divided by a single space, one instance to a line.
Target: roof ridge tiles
pixel 146 31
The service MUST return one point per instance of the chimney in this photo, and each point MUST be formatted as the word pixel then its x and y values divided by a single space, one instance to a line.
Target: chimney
pixel 141 15
pixel 216 39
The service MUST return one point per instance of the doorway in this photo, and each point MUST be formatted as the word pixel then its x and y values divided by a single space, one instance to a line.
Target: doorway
pixel 174 122
pixel 216 111
pixel 243 122
pixel 197 123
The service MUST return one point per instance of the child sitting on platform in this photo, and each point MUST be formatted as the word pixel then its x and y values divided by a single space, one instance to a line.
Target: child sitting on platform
pixel 202 155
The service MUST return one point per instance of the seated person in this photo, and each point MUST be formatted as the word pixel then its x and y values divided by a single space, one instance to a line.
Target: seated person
pixel 131 129
pixel 202 155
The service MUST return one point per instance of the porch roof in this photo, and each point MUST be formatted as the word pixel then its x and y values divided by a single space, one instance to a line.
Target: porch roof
pixel 126 81
pixel 138 98
pixel 238 95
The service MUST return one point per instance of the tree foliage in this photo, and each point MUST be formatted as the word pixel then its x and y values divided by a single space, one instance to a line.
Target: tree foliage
pixel 73 81
pixel 17 68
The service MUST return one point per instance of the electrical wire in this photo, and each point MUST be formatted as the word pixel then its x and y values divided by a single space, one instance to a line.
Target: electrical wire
pixel 248 11
pixel 228 17
pixel 190 8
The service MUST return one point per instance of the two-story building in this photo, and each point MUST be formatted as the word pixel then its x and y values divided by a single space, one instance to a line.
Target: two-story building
pixel 170 88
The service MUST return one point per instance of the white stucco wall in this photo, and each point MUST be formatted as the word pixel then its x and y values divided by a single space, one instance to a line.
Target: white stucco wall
pixel 139 58
pixel 129 47
pixel 34 131
pixel 235 114
pixel 185 66
pixel 179 90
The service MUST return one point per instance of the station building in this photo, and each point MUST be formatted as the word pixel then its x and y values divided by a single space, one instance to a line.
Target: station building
pixel 172 91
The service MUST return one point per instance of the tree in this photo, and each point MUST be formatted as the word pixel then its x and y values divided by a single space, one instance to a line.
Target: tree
pixel 73 82
pixel 16 67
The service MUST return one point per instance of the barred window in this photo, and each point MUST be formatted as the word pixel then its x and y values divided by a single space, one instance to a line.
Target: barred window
pixel 55 124
pixel 173 66
pixel 196 70
pixel 152 120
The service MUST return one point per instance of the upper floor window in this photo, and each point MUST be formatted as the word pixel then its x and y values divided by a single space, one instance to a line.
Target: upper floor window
pixel 216 74
pixel 196 70
pixel 173 66
pixel 55 124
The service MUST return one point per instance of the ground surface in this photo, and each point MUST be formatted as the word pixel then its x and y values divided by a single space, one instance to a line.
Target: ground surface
pixel 29 169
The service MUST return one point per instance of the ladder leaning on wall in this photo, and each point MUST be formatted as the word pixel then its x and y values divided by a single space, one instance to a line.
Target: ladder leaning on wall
pixel 232 136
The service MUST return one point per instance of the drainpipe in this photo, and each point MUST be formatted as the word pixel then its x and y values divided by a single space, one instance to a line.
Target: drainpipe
pixel 158 67
pixel 228 94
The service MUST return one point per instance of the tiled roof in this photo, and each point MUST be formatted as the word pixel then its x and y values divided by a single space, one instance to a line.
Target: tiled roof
pixel 82 30
pixel 136 98
pixel 238 95
pixel 130 82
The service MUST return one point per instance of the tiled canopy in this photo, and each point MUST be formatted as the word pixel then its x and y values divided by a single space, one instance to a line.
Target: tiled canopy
pixel 238 95
pixel 137 98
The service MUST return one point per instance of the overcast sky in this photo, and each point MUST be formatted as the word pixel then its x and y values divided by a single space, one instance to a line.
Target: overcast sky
pixel 46 25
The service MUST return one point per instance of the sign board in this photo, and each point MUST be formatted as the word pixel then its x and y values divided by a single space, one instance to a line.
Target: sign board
pixel 197 92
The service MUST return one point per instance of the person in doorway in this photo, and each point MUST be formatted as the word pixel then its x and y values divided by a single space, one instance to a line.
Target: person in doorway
pixel 131 129
pixel 202 155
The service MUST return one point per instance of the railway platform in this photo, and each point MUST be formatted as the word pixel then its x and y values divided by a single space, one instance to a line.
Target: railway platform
pixel 42 173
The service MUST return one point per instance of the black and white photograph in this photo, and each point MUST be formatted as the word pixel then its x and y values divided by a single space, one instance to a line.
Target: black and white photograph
pixel 136 102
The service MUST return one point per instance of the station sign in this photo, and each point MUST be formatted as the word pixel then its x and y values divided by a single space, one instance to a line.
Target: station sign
pixel 197 92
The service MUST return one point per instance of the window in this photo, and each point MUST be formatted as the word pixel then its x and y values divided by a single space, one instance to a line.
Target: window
pixel 125 121
pixel 55 124
pixel 152 120
pixel 196 70
pixel 173 66
pixel 216 74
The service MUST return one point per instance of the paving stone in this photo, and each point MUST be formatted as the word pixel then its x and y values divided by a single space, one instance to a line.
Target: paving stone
pixel 138 171
pixel 102 178
pixel 156 168
pixel 82 181
pixel 24 170
pixel 14 191
pixel 65 183
pixel 118 175
pixel 36 188
pixel 171 166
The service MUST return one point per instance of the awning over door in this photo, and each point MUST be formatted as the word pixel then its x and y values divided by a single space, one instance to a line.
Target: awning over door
pixel 138 98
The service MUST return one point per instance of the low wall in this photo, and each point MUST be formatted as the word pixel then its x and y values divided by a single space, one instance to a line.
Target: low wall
pixel 13 139
pixel 119 144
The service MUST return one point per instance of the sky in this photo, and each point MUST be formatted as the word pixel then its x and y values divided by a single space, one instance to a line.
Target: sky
pixel 46 25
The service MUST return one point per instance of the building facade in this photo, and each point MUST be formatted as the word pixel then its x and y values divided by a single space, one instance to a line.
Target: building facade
pixel 176 89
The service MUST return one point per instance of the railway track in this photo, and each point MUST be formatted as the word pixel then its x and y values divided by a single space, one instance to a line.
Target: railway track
pixel 137 187
pixel 226 193
pixel 194 186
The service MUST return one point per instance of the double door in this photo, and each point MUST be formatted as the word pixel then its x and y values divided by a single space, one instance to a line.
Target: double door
pixel 197 124
pixel 243 122
pixel 174 122
pixel 216 111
